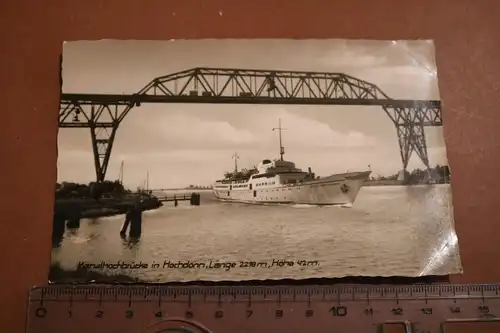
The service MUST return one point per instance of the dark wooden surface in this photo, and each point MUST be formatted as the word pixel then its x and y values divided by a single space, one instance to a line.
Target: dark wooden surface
pixel 32 32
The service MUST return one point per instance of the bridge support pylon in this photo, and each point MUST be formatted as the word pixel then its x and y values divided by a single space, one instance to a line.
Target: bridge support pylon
pixel 102 144
pixel 412 140
pixel 410 124
pixel 103 120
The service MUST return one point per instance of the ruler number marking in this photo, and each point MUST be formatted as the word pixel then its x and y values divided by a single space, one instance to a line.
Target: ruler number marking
pixel 219 314
pixel 369 311
pixel 426 311
pixel 338 311
pixel 279 313
pixel 129 314
pixel 309 313
pixel 484 309
pixel 159 314
pixel 99 314
pixel 249 313
pixel 41 312
pixel 397 311
pixel 455 309
pixel 189 314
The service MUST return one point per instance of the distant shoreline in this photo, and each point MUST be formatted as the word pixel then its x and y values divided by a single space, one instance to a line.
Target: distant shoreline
pixel 396 183
pixel 185 189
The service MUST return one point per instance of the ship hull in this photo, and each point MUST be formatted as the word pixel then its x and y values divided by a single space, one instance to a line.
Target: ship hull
pixel 341 189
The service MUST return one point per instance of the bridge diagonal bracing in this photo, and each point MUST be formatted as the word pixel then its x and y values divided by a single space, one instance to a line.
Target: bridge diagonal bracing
pixel 103 122
pixel 250 86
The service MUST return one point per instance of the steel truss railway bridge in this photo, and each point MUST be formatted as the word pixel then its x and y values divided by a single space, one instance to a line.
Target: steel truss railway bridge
pixel 103 113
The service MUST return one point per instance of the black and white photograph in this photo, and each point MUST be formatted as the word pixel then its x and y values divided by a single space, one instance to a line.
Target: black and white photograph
pixel 251 159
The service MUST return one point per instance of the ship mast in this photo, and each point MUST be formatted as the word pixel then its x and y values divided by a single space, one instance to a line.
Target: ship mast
pixel 282 149
pixel 236 157
pixel 120 175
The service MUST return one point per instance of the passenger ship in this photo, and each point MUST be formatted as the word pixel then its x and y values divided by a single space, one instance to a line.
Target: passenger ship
pixel 281 182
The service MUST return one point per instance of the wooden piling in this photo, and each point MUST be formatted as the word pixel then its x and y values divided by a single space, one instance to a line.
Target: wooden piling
pixel 126 223
pixel 195 199
pixel 136 223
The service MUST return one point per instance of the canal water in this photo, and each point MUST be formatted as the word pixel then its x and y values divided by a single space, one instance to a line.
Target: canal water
pixel 390 230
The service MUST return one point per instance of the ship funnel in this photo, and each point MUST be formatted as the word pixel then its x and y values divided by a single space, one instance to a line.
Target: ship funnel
pixel 309 170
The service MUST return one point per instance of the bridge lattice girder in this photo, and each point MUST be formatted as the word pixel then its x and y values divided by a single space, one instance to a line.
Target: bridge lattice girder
pixel 103 113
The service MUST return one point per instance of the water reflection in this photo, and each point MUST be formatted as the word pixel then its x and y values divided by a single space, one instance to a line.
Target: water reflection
pixel 94 221
pixel 129 242
pixel 73 232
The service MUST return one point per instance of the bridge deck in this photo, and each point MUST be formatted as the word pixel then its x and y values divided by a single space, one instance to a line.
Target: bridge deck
pixel 143 98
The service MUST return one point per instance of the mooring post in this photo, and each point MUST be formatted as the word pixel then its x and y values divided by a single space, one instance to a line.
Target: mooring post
pixel 195 199
pixel 136 220
pixel 136 223
pixel 192 200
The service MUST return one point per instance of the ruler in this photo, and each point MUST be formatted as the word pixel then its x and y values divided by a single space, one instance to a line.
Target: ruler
pixel 260 309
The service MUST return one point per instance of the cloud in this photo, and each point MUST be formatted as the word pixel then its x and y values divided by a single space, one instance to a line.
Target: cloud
pixel 190 131
pixel 403 82
pixel 186 131
pixel 349 58
pixel 233 130
pixel 306 133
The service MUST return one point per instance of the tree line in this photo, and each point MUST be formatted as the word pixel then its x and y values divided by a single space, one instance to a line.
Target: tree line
pixel 438 174
pixel 107 188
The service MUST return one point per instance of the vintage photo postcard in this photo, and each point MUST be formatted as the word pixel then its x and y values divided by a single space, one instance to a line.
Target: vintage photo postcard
pixel 227 160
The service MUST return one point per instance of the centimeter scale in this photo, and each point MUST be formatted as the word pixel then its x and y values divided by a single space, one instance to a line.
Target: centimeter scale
pixel 230 309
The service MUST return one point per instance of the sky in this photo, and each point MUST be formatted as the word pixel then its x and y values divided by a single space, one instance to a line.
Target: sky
pixel 183 144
